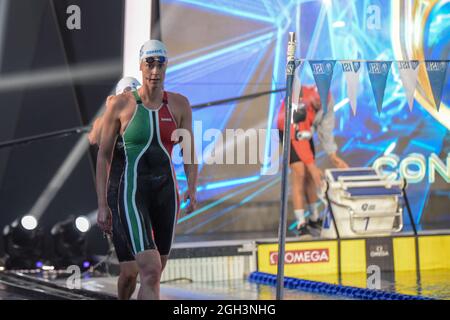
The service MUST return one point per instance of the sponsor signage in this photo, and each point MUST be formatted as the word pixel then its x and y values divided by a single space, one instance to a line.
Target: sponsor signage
pixel 302 256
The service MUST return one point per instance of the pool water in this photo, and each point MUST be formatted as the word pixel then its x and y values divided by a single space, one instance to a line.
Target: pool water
pixel 432 283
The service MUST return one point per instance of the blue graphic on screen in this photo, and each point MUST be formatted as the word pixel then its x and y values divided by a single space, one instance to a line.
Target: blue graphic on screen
pixel 326 30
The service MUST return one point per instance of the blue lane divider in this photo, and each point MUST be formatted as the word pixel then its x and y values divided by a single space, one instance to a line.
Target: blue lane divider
pixel 331 289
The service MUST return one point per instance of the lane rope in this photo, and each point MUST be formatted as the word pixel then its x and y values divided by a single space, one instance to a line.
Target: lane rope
pixel 330 289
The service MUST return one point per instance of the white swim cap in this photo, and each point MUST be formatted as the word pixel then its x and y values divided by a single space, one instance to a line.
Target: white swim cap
pixel 127 82
pixel 152 48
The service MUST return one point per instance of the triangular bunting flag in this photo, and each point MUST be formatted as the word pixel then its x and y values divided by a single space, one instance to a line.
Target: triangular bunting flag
pixel 409 71
pixel 436 74
pixel 323 72
pixel 378 73
pixel 351 70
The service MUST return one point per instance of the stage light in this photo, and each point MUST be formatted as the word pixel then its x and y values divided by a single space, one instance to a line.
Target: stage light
pixel 82 224
pixel 23 243
pixel 29 222
pixel 69 240
pixel 48 268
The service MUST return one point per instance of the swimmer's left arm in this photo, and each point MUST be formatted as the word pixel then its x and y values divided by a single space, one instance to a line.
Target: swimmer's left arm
pixel 326 137
pixel 190 161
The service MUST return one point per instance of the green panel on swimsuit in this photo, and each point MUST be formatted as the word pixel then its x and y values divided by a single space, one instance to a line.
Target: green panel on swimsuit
pixel 137 137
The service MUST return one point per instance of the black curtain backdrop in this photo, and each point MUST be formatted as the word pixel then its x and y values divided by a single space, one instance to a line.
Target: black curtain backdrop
pixel 37 39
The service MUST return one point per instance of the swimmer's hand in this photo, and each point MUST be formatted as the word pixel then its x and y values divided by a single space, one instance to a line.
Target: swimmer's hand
pixel 192 197
pixel 104 220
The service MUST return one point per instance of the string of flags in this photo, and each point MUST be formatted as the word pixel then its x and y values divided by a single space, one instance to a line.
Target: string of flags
pixel 378 71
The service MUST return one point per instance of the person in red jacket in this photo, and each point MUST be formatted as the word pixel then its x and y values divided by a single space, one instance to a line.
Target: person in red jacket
pixel 306 176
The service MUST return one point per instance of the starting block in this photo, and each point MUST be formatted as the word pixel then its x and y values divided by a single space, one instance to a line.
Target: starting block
pixel 363 203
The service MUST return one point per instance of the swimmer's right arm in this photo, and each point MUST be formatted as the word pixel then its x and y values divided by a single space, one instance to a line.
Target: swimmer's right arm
pixel 96 131
pixel 94 135
pixel 110 129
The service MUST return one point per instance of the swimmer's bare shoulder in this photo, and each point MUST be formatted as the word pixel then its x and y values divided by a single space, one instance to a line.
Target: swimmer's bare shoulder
pixel 115 108
pixel 180 105
pixel 116 104
pixel 178 99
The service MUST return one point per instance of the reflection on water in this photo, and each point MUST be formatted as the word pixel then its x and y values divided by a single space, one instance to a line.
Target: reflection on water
pixel 432 283
pixel 435 284
pixel 244 290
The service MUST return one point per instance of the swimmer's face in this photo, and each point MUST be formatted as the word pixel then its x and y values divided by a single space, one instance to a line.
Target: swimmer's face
pixel 154 71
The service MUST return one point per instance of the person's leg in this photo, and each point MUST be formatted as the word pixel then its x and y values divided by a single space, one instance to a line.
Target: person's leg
pixel 126 283
pixel 298 191
pixel 164 219
pixel 164 262
pixel 164 259
pixel 141 244
pixel 311 193
pixel 312 202
pixel 149 264
pixel 127 279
